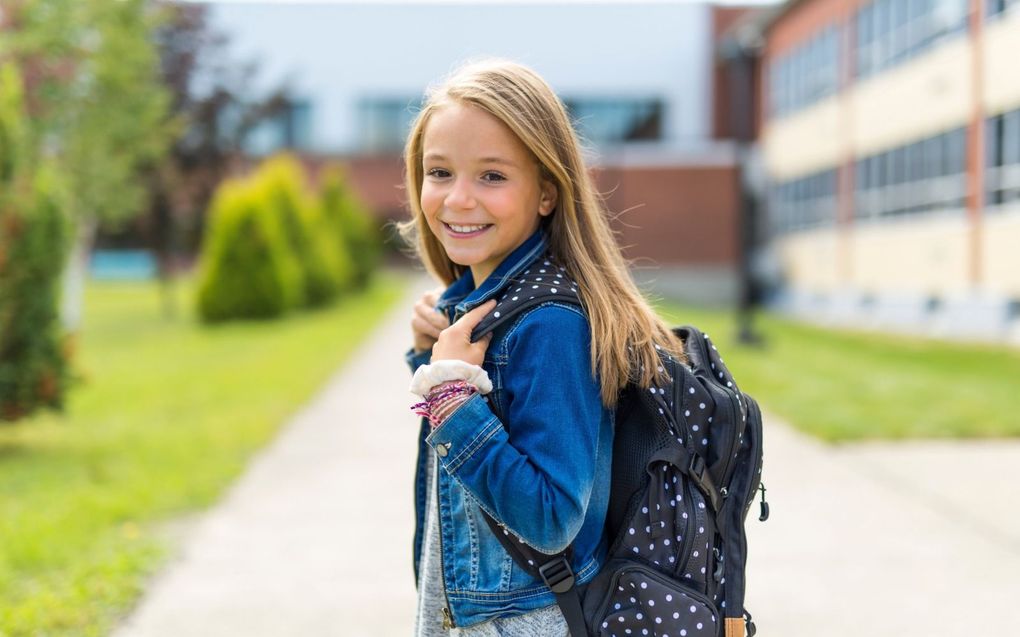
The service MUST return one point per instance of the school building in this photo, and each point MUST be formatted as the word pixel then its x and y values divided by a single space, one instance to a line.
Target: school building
pixel 640 78
pixel 890 135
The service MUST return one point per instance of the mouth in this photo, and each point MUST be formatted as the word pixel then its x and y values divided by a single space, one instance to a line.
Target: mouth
pixel 465 231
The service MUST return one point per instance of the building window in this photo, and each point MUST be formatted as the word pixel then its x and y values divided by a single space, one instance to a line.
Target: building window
pixel 803 203
pixel 995 8
pixel 383 123
pixel 805 75
pixel 290 128
pixel 1002 165
pixel 614 121
pixel 892 31
pixel 925 176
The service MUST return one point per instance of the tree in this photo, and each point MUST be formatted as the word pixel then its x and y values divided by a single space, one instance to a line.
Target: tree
pixel 356 233
pixel 97 108
pixel 248 270
pixel 281 182
pixel 33 238
pixel 213 112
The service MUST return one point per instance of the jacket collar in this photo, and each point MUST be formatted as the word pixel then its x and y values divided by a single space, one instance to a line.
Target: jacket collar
pixel 463 294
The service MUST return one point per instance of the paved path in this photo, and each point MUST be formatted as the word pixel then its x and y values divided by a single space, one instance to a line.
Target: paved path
pixel 315 538
pixel 866 540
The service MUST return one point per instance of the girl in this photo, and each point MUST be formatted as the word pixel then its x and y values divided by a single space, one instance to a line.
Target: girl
pixel 503 206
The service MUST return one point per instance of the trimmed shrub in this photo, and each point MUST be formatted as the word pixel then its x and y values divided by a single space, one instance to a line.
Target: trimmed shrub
pixel 280 183
pixel 334 257
pixel 34 241
pixel 248 270
pixel 352 225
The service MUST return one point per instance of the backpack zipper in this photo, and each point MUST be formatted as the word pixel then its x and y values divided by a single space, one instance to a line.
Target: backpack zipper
pixel 676 584
pixel 729 392
pixel 687 545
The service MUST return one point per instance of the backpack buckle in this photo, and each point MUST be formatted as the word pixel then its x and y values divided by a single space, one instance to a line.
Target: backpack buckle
pixel 698 471
pixel 557 575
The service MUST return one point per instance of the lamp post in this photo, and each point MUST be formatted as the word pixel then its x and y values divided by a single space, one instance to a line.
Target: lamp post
pixel 739 52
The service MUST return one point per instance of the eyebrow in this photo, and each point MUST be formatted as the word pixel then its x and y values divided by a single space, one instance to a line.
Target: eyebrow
pixel 483 160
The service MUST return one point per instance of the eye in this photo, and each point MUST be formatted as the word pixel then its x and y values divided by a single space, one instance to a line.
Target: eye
pixel 437 172
pixel 498 177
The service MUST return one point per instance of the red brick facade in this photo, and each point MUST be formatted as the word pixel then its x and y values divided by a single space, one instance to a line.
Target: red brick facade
pixel 676 215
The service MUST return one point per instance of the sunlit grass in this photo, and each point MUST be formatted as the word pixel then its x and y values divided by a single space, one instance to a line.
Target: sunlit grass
pixel 844 385
pixel 167 415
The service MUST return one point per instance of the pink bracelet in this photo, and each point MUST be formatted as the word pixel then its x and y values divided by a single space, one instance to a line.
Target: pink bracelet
pixel 443 400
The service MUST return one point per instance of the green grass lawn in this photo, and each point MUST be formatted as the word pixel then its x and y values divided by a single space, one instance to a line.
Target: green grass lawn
pixel 166 417
pixel 841 385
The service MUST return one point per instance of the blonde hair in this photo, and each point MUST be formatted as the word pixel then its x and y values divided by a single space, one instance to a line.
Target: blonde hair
pixel 624 328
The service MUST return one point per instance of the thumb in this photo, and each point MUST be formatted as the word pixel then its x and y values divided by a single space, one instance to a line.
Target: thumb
pixel 475 316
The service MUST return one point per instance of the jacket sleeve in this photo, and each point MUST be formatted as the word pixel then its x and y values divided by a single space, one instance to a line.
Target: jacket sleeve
pixel 537 477
pixel 414 361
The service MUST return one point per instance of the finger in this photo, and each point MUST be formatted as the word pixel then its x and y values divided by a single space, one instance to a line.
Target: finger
pixel 431 315
pixel 424 327
pixel 482 344
pixel 475 316
pixel 434 322
pixel 432 296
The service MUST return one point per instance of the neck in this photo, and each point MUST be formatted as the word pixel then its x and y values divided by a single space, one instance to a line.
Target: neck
pixel 479 275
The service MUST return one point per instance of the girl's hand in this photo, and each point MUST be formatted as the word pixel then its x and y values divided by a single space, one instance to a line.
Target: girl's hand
pixel 455 341
pixel 426 322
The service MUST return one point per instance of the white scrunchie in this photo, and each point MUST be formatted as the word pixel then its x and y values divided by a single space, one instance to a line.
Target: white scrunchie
pixel 428 376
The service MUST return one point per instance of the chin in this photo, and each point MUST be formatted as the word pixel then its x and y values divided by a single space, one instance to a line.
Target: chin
pixel 465 263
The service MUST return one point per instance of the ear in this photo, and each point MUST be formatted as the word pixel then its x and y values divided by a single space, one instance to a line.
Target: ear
pixel 548 198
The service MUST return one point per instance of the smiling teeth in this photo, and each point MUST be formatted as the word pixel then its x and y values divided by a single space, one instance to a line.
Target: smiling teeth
pixel 466 229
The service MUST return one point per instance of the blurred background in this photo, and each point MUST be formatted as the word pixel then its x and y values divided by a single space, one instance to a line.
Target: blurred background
pixel 196 207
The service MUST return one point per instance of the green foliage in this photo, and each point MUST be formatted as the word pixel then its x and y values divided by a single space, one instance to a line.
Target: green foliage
pixel 33 241
pixel 280 183
pixel 270 246
pixel 356 232
pixel 98 103
pixel 843 385
pixel 248 270
pixel 334 267
pixel 168 420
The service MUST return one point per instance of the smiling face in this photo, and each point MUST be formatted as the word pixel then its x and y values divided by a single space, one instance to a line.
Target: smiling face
pixel 481 192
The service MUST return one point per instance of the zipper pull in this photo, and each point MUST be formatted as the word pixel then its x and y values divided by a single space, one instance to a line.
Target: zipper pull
pixel 764 505
pixel 751 628
pixel 447 620
pixel 720 570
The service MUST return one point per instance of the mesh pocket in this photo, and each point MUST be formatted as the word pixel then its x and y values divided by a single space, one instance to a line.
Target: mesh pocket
pixel 643 602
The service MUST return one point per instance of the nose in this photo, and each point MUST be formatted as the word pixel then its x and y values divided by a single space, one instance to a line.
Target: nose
pixel 460 196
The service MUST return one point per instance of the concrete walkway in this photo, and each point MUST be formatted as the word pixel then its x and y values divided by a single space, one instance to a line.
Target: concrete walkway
pixel 865 540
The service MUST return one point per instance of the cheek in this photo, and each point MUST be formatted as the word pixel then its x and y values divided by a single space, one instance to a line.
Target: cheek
pixel 506 204
pixel 431 201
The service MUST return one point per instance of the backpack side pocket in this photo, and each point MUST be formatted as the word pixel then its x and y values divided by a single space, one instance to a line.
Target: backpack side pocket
pixel 629 598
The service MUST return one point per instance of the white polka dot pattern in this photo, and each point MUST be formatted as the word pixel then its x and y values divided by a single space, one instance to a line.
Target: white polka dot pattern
pixel 671 530
pixel 544 281
pixel 667 560
pixel 646 603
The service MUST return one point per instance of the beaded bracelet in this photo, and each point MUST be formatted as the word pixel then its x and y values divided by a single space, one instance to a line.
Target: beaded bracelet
pixel 439 400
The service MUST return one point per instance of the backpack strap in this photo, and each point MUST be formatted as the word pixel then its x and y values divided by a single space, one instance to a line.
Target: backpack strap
pixel 554 570
pixel 542 282
pixel 506 310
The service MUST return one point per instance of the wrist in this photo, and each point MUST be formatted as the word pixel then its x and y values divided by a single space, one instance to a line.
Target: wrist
pixel 442 400
pixel 426 377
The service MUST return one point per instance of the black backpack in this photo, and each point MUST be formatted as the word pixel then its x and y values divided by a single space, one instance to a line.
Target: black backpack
pixel 687 462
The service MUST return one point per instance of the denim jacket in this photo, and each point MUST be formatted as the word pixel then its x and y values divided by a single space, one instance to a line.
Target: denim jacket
pixel 543 475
